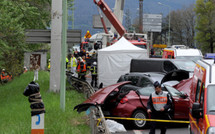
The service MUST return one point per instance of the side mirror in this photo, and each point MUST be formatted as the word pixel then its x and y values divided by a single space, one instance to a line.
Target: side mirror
pixel 196 110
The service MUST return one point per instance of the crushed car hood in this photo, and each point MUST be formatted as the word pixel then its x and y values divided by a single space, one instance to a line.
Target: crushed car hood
pixel 98 97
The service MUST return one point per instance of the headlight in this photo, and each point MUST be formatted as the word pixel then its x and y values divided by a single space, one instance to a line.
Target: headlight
pixel 211 130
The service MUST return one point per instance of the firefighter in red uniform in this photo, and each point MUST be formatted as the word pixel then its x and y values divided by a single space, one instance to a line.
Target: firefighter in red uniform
pixel 158 105
pixel 81 69
pixel 3 77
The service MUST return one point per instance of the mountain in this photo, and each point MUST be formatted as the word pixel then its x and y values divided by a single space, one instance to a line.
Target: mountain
pixel 84 9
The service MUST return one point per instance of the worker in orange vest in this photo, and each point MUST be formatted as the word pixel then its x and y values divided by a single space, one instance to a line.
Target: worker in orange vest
pixel 3 74
pixel 81 69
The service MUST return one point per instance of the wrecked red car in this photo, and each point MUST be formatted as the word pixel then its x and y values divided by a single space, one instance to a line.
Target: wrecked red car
pixel 129 98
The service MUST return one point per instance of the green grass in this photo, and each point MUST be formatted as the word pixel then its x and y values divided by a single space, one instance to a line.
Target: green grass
pixel 15 112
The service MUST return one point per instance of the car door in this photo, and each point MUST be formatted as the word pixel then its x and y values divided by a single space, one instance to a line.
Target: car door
pixel 180 101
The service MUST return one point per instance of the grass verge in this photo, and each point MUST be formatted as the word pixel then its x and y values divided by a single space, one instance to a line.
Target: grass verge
pixel 15 112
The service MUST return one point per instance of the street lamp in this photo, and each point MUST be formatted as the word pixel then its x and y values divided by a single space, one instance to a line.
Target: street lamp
pixel 169 21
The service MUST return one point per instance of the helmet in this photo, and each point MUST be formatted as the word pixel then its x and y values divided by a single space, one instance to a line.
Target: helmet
pixel 94 63
pixel 3 69
pixel 157 84
pixel 80 59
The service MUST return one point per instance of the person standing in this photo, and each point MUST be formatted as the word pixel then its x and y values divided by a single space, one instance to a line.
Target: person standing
pixel 73 61
pixel 76 53
pixel 67 62
pixel 158 106
pixel 93 70
pixel 81 69
pixel 36 71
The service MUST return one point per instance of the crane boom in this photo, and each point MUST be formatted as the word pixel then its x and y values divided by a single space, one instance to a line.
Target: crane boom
pixel 111 17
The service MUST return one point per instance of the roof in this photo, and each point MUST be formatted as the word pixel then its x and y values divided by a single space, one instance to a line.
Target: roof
pixel 121 45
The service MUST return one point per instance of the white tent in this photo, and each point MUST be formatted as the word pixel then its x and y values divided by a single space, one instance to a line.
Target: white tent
pixel 114 61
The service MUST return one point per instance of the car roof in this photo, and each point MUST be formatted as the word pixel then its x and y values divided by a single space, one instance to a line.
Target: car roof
pixel 154 76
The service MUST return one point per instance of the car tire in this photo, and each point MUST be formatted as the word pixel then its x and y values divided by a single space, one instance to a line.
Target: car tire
pixel 139 123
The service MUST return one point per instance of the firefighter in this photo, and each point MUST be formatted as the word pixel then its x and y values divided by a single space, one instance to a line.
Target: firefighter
pixel 76 53
pixel 49 65
pixel 67 62
pixel 73 61
pixel 81 69
pixel 158 106
pixel 3 75
pixel 93 70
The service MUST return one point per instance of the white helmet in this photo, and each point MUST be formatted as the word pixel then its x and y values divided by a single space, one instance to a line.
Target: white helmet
pixel 94 63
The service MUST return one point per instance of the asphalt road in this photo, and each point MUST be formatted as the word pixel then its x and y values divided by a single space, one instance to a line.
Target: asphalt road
pixel 172 129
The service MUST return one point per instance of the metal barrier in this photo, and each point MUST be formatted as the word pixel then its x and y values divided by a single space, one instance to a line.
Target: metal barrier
pixel 97 120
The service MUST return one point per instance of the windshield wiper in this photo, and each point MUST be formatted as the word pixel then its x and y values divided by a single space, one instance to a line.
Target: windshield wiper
pixel 212 110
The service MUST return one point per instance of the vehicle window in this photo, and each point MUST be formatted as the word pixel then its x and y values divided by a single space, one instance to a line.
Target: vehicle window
pixel 198 90
pixel 202 95
pixel 211 99
pixel 146 91
pixel 144 82
pixel 169 57
pixel 187 65
pixel 193 58
pixel 168 66
pixel 173 91
pixel 133 79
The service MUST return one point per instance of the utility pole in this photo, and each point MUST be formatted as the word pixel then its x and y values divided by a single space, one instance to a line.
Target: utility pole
pixel 63 57
pixel 56 41
pixel 141 16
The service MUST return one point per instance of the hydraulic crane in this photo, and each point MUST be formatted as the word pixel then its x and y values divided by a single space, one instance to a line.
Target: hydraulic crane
pixel 111 17
pixel 118 25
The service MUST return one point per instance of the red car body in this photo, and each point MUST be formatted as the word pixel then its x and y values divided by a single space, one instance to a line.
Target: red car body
pixel 129 101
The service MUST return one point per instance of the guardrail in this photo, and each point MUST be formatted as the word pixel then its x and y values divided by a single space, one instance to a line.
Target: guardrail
pixel 96 116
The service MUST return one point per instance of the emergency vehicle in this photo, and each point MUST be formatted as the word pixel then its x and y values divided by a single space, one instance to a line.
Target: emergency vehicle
pixel 181 53
pixel 202 100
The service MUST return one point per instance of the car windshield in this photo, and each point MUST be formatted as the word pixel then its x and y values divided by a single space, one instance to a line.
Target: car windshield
pixel 187 65
pixel 193 58
pixel 146 91
pixel 172 91
pixel 211 99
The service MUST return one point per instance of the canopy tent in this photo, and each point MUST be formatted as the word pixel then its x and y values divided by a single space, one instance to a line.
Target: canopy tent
pixel 114 61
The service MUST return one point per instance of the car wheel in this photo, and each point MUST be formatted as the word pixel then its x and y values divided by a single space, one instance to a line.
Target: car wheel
pixel 139 123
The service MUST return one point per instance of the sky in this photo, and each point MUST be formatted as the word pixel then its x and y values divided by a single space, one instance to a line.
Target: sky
pixel 85 9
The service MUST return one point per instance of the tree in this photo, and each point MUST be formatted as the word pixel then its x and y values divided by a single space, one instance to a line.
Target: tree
pixel 205 11
pixel 15 17
pixel 182 26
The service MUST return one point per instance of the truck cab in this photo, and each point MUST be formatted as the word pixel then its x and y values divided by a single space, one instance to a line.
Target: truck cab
pixel 202 100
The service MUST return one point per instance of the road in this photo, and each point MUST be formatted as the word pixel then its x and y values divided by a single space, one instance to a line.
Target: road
pixel 172 129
